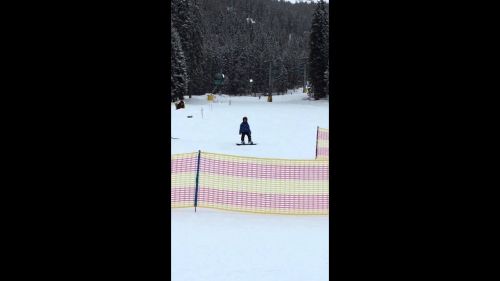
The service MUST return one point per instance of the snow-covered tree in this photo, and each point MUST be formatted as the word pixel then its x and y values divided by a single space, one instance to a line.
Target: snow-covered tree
pixel 318 56
pixel 239 38
pixel 241 77
pixel 178 71
pixel 186 18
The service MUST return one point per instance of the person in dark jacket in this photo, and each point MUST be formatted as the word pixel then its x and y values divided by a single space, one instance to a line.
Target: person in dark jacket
pixel 245 130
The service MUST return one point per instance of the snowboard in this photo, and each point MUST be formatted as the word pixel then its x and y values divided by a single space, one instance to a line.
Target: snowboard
pixel 246 144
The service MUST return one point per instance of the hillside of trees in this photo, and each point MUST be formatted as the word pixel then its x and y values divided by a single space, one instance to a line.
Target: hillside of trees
pixel 242 39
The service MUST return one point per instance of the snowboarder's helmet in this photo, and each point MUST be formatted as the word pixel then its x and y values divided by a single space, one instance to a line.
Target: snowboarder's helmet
pixel 245 118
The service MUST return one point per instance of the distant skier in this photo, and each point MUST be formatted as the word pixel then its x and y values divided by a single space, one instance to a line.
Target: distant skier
pixel 245 130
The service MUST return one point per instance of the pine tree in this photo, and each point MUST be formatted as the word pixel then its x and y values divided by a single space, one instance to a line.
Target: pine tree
pixel 178 71
pixel 268 29
pixel 241 84
pixel 318 56
pixel 186 18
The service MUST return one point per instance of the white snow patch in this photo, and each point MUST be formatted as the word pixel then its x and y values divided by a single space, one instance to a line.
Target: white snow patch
pixel 250 20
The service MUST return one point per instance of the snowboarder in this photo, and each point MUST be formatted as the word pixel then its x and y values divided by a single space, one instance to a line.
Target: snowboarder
pixel 245 130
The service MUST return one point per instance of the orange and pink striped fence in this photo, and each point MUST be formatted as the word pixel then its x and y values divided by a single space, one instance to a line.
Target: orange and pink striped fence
pixel 183 179
pixel 322 144
pixel 260 185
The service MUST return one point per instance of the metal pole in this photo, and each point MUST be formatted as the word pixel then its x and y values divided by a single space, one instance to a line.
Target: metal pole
pixel 270 79
pixel 305 75
pixel 317 135
pixel 197 180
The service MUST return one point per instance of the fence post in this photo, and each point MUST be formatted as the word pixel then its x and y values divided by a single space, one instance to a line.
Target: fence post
pixel 317 135
pixel 197 178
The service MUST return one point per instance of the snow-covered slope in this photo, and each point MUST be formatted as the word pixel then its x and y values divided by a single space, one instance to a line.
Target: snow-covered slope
pixel 284 128
pixel 214 245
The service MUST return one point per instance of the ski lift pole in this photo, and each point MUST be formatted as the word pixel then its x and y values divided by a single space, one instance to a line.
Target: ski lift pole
pixel 270 96
pixel 305 74
pixel 270 79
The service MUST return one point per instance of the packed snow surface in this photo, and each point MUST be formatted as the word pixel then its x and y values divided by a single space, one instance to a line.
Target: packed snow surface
pixel 215 245
pixel 284 128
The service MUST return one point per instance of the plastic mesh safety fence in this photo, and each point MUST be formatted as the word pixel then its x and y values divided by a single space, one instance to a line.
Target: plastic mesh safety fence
pixel 183 179
pixel 322 144
pixel 260 185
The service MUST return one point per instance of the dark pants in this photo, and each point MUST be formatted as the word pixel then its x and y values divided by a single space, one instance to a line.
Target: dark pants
pixel 243 137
